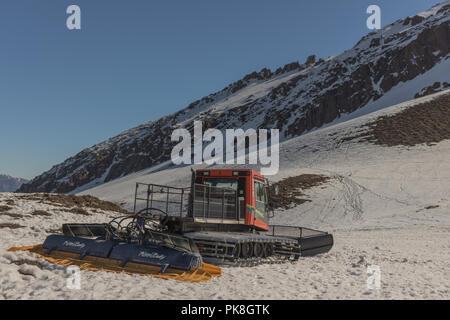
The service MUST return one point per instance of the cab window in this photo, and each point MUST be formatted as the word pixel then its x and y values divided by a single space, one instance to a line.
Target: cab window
pixel 260 197
pixel 222 183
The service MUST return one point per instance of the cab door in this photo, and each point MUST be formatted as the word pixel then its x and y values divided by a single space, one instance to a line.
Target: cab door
pixel 259 211
pixel 242 182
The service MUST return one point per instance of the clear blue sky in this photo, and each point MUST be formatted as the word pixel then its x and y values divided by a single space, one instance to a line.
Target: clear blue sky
pixel 137 60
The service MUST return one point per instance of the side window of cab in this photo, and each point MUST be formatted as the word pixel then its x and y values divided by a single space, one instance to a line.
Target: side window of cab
pixel 260 197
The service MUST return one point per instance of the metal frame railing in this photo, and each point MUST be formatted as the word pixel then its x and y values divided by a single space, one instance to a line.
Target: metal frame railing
pixel 208 202
pixel 171 200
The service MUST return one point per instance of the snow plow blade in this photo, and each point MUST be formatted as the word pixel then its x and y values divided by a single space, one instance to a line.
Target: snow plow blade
pixel 310 246
pixel 106 255
pixel 312 242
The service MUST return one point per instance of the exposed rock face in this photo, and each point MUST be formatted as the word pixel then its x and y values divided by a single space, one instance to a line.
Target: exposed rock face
pixel 436 87
pixel 310 61
pixel 10 184
pixel 295 98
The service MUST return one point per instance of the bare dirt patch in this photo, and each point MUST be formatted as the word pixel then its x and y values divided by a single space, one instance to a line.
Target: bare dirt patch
pixel 10 226
pixel 73 201
pixel 5 211
pixel 4 208
pixel 11 214
pixel 28 262
pixel 290 190
pixel 10 202
pixel 79 211
pixel 41 213
pixel 427 122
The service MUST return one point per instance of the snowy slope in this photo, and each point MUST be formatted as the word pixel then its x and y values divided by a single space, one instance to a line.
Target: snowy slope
pixel 373 186
pixel 385 67
pixel 375 202
pixel 386 206
pixel 413 263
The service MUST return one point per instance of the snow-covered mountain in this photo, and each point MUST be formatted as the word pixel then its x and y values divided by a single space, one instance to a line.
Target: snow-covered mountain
pixel 10 184
pixel 406 59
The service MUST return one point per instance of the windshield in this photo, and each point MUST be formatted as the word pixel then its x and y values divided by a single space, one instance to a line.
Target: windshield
pixel 222 183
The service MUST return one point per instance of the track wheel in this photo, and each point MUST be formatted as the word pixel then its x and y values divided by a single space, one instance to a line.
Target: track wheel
pixel 236 251
pixel 268 250
pixel 258 249
pixel 246 250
